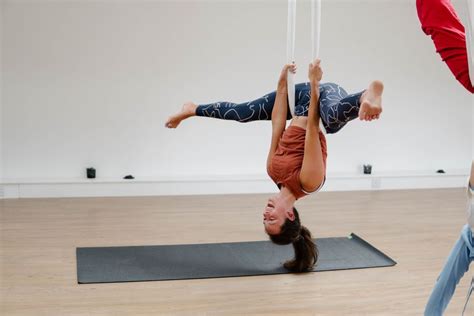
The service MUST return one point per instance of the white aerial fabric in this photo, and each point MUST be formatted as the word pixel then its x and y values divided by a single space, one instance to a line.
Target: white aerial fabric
pixel 315 27
pixel 316 36
pixel 468 27
pixel 290 42
pixel 470 59
pixel 470 39
pixel 290 53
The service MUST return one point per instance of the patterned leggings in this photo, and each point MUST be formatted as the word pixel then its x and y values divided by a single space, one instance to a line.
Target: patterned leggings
pixel 336 107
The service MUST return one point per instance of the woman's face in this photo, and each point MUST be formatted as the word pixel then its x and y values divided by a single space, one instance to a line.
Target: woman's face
pixel 275 214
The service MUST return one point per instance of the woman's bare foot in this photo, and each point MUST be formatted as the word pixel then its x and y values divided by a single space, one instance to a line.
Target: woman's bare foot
pixel 188 110
pixel 371 102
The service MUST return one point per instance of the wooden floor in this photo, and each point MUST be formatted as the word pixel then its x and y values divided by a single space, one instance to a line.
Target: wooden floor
pixel 39 237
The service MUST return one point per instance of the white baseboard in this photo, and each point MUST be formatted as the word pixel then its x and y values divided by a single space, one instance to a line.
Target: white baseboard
pixel 225 184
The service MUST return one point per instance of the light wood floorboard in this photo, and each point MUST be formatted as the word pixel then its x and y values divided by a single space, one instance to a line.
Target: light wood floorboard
pixel 39 236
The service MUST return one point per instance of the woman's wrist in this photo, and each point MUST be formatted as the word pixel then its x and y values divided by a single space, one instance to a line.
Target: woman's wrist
pixel 282 86
pixel 314 83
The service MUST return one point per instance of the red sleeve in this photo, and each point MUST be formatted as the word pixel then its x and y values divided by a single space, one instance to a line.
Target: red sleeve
pixel 439 20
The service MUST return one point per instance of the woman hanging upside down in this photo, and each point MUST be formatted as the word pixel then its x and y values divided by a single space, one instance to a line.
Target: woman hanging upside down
pixel 439 20
pixel 297 157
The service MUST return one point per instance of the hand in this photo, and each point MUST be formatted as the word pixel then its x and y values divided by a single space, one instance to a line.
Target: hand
pixel 315 73
pixel 282 81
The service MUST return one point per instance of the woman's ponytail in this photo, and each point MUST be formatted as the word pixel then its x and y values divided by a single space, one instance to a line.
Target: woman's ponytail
pixel 306 252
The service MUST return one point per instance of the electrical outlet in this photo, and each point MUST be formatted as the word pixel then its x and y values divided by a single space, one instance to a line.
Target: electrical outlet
pixel 376 183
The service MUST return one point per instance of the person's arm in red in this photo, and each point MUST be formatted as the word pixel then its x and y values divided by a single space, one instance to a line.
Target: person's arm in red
pixel 439 20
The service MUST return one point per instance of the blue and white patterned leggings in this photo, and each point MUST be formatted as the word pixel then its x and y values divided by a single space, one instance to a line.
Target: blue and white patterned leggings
pixel 336 107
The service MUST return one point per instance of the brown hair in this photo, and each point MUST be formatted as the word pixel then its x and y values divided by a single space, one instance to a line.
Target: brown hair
pixel 306 251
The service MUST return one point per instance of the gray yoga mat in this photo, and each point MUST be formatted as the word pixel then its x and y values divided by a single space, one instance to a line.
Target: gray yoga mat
pixel 198 261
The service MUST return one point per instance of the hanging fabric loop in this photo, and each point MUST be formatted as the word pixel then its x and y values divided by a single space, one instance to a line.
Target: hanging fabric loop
pixel 316 37
pixel 315 27
pixel 290 53
pixel 470 39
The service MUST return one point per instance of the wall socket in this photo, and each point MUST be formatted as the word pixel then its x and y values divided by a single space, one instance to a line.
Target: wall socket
pixel 376 183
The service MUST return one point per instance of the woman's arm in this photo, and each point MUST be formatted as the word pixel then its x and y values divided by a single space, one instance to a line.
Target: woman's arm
pixel 280 109
pixel 312 171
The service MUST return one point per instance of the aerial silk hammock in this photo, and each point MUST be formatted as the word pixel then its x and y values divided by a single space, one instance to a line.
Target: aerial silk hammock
pixel 290 53
pixel 290 43
pixel 470 39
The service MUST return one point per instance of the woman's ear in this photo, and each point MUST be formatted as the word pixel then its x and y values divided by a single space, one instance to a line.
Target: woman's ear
pixel 290 214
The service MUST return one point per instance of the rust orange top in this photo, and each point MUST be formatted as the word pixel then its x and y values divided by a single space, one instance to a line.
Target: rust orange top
pixel 285 165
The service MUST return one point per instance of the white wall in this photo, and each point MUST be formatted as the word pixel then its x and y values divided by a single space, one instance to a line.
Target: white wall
pixel 90 83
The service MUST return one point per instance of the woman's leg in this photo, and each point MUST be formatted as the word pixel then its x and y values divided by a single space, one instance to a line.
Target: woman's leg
pixel 256 110
pixel 333 113
pixel 337 107
pixel 302 98
pixel 439 20
pixel 456 265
